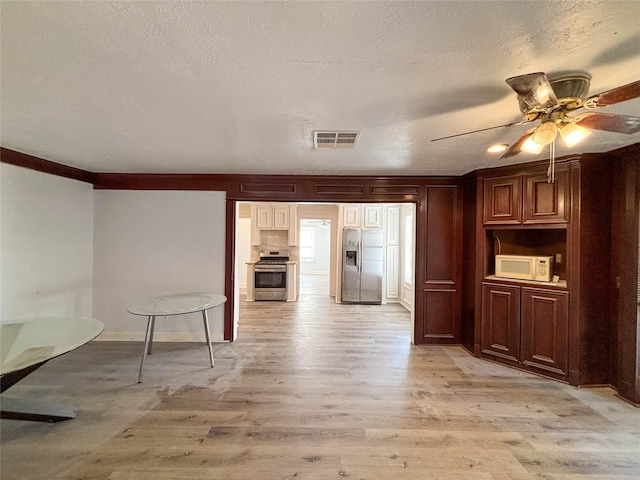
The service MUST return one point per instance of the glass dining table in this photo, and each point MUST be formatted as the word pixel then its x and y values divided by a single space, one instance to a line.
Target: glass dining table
pixel 171 305
pixel 26 345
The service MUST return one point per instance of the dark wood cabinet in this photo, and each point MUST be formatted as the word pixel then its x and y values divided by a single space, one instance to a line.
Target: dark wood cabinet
pixel 544 330
pixel 501 321
pixel 546 202
pixel 526 327
pixel 527 199
pixel 503 200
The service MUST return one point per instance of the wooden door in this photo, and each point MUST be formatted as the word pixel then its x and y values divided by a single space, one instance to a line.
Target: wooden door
pixel 544 329
pixel 501 322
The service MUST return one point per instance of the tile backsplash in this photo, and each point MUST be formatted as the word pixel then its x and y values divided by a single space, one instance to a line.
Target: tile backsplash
pixel 274 240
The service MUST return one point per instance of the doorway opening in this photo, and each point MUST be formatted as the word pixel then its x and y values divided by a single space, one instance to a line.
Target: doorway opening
pixel 311 233
pixel 315 256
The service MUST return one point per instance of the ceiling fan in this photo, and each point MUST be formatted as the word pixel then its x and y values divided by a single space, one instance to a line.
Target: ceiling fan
pixel 550 100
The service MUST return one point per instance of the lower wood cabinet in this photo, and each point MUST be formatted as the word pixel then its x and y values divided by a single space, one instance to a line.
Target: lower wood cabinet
pixel 526 327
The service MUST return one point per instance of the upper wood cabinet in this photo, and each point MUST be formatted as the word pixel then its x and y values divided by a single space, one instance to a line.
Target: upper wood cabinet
pixel 546 202
pixel 503 200
pixel 527 199
pixel 281 217
pixel 372 216
pixel 277 216
pixel 263 216
pixel 362 216
pixel 351 215
pixel 271 217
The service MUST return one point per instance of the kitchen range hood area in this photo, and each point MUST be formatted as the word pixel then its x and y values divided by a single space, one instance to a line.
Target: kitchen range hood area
pixel 369 250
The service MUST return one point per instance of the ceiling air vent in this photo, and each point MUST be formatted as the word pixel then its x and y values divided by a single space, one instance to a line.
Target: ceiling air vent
pixel 335 139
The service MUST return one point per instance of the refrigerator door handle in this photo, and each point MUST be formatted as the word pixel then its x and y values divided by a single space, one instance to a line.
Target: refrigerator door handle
pixel 360 257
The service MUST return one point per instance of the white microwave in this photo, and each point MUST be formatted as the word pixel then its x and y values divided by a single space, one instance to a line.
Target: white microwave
pixel 524 267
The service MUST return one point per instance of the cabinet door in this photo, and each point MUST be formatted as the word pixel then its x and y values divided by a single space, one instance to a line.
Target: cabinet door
pixel 372 216
pixel 546 202
pixel 351 217
pixel 544 327
pixel 281 217
pixel 503 200
pixel 501 321
pixel 264 217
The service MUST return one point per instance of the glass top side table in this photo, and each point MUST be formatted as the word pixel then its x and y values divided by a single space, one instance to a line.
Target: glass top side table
pixel 175 304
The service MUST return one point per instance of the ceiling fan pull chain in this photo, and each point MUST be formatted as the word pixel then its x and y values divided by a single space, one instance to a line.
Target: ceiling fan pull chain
pixel 551 171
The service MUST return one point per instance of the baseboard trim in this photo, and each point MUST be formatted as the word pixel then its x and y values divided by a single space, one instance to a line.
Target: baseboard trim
pixel 158 337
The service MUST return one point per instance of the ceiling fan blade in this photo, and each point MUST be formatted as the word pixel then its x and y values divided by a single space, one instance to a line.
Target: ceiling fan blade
pixel 481 130
pixel 534 89
pixel 613 96
pixel 609 122
pixel 514 149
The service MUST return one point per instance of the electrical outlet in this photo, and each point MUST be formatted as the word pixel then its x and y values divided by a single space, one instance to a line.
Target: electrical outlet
pixel 558 258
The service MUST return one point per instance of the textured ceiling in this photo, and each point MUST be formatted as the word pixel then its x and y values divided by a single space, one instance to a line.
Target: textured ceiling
pixel 239 87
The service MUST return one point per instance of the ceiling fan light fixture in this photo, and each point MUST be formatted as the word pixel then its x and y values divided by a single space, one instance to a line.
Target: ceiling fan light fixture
pixel 545 133
pixel 530 146
pixel 497 148
pixel 572 134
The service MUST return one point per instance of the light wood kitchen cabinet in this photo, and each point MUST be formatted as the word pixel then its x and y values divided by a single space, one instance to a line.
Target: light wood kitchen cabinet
pixel 362 216
pixel 292 282
pixel 351 215
pixel 281 217
pixel 267 216
pixel 263 216
pixel 372 216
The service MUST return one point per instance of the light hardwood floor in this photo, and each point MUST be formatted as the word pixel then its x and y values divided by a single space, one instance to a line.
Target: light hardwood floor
pixel 316 390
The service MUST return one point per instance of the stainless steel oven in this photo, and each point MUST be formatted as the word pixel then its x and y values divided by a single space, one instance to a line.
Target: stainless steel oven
pixel 270 276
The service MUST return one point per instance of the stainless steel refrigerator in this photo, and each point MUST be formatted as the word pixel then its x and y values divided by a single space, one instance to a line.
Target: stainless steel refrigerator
pixel 361 266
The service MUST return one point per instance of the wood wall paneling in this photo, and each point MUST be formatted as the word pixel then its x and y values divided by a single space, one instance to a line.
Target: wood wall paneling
pixel 441 268
pixel 229 270
pixel 590 333
pixel 441 228
pixel 468 286
pixel 440 316
pixel 624 276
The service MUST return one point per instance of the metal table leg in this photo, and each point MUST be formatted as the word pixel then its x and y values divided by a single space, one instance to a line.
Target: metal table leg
pixel 147 344
pixel 205 319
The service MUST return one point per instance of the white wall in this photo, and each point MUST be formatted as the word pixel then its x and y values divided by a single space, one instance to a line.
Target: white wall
pixel 407 253
pixel 46 262
pixel 150 243
pixel 322 242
